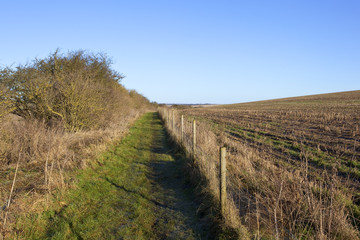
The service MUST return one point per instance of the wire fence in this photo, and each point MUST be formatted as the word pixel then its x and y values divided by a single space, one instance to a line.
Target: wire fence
pixel 210 156
pixel 256 193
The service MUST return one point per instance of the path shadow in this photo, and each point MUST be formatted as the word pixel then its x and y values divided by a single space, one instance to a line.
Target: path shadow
pixel 171 185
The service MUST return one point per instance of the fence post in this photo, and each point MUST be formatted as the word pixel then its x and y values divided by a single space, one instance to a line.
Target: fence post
pixel 182 128
pixel 194 138
pixel 170 119
pixel 173 121
pixel 223 180
pixel 168 116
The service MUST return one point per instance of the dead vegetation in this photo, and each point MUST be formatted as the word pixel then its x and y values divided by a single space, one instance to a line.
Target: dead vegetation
pixel 322 128
pixel 56 115
pixel 289 176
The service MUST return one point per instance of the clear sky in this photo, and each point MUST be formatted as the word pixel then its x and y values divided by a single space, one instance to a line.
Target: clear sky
pixel 194 51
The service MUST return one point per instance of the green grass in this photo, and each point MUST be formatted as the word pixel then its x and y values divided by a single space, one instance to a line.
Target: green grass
pixel 135 191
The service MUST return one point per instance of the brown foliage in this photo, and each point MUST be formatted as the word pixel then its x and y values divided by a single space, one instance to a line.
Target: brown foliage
pixel 5 101
pixel 79 90
pixel 57 114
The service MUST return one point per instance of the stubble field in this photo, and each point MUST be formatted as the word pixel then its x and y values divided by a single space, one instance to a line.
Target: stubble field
pixel 320 129
pixel 294 163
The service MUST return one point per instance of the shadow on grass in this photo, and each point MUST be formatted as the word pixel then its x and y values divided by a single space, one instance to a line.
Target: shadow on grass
pixel 176 174
pixel 135 193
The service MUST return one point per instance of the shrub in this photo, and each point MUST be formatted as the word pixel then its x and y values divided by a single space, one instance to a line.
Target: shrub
pixel 5 100
pixel 80 90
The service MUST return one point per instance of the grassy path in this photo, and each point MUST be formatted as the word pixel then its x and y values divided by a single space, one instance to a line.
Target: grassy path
pixel 137 191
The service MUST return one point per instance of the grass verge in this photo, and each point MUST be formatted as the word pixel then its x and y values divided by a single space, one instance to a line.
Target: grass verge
pixel 136 190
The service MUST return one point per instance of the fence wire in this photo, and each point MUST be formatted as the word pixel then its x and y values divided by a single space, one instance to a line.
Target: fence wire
pixel 265 198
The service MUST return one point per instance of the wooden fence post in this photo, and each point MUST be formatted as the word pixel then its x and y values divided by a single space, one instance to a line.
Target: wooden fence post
pixel 168 116
pixel 182 128
pixel 173 121
pixel 194 138
pixel 170 123
pixel 223 180
pixel 169 119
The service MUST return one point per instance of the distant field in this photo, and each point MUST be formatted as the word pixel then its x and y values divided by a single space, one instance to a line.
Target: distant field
pixel 321 129
pixel 297 159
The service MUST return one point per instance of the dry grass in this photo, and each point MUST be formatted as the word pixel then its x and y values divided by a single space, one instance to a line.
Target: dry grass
pixel 273 193
pixel 49 157
pixel 56 115
pixel 322 128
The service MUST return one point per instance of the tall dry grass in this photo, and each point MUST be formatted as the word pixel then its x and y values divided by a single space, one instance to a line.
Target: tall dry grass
pixel 49 158
pixel 269 200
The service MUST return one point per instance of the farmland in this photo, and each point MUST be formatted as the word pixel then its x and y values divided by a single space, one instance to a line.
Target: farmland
pixel 322 129
pixel 293 163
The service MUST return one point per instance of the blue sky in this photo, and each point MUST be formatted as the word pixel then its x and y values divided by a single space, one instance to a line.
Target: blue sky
pixel 198 51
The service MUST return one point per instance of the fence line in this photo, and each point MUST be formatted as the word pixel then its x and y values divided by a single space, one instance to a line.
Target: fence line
pixel 270 200
pixel 215 174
